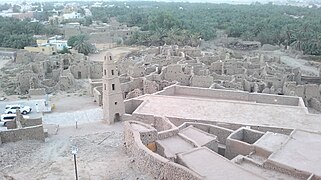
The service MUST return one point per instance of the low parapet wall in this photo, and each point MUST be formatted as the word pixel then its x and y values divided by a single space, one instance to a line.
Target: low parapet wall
pixel 232 126
pixel 27 133
pixel 220 132
pixel 231 95
pixel 160 123
pixel 32 122
pixel 95 83
pixel 147 161
pixel 37 92
pixel 98 96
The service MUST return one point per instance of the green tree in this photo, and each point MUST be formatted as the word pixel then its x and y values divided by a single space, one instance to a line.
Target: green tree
pixel 81 44
pixel 65 50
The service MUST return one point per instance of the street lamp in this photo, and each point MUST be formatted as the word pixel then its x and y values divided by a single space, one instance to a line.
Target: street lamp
pixel 74 151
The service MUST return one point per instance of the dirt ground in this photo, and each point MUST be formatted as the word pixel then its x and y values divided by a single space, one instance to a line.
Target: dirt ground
pixel 100 155
pixel 306 68
pixel 70 102
pixel 117 53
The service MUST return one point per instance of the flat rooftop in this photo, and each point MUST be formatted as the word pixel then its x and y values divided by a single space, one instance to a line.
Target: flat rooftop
pixel 229 111
pixel 301 152
pixel 174 145
pixel 213 166
pixel 197 135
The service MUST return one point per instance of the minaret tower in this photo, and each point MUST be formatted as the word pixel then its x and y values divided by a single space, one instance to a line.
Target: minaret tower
pixel 113 102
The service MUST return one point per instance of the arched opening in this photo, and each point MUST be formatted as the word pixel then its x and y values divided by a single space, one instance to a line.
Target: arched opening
pixel 117 117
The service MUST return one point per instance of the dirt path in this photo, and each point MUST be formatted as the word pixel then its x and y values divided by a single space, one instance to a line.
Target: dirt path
pixel 100 155
pixel 307 70
pixel 117 53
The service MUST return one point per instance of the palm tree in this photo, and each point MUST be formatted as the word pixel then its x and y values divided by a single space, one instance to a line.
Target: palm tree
pixel 298 40
pixel 82 45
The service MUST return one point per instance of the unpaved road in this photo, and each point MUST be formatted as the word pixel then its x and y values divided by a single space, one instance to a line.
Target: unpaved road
pixel 117 53
pixel 100 155
pixel 306 69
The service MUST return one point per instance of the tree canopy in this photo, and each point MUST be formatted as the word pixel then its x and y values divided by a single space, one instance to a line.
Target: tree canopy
pixel 81 44
pixel 18 34
pixel 185 23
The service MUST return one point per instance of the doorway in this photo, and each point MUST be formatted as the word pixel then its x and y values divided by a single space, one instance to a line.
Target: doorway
pixel 117 117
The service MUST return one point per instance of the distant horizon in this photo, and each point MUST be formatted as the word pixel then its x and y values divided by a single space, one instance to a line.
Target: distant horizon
pixel 191 1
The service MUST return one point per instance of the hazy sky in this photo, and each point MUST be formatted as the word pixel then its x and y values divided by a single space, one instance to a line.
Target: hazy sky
pixel 213 1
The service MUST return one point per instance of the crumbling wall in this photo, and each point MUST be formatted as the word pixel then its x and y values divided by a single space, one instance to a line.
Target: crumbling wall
pixel 315 104
pixel 98 95
pixel 37 92
pixel 241 142
pixel 152 163
pixel 150 87
pixel 80 70
pixel 201 81
pixel 96 70
pixel 23 81
pixel 177 73
pixel 27 133
pixel 134 93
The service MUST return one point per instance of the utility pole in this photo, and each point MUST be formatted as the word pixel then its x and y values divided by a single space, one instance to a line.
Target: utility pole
pixel 74 151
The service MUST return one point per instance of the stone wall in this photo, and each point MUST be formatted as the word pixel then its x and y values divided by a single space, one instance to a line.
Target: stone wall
pixel 32 122
pixel 98 95
pixel 238 95
pixel 202 81
pixel 220 132
pixel 131 105
pixel 95 83
pixel 149 162
pixel 232 126
pixel 160 123
pixel 37 92
pixel 241 142
pixel 177 73
pixel 315 104
pixel 27 133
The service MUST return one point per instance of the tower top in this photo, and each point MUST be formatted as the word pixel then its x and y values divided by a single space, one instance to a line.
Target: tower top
pixel 108 58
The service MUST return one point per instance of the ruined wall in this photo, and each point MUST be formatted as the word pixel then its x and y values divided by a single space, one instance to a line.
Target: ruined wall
pixel 177 73
pixel 201 81
pixel 150 87
pixel 23 81
pixel 27 133
pixel 315 104
pixel 98 95
pixel 94 83
pixel 238 95
pixel 31 122
pixel 241 142
pixel 136 83
pixel 131 105
pixel 80 71
pixel 37 92
pixel 152 163
pixel 220 132
pixel 96 70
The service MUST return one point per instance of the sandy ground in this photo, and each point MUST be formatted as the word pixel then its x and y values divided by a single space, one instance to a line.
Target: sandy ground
pixel 3 62
pixel 306 68
pixel 72 102
pixel 100 155
pixel 117 53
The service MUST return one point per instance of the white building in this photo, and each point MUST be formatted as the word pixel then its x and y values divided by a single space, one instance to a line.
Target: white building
pixel 73 15
pixel 60 44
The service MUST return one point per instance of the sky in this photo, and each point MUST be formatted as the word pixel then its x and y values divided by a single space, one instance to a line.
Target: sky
pixel 213 1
